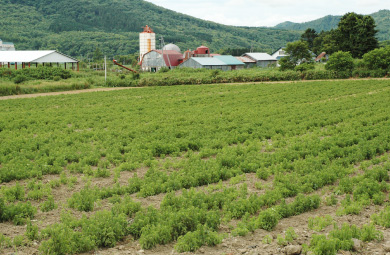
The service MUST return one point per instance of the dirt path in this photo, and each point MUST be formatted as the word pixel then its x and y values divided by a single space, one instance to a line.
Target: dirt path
pixel 122 88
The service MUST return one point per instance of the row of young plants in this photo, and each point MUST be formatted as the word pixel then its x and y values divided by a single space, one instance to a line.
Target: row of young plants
pixel 192 219
pixel 130 144
pixel 174 77
pixel 370 187
pixel 311 163
pixel 17 213
pixel 304 136
pixel 341 238
pixel 152 228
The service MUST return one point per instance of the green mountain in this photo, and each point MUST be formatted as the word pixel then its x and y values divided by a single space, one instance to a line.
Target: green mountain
pixel 78 27
pixel 382 20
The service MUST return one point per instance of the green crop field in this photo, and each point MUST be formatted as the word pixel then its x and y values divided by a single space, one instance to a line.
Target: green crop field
pixel 220 169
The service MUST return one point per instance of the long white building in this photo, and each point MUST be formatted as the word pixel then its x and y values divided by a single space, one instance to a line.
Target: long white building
pixel 6 46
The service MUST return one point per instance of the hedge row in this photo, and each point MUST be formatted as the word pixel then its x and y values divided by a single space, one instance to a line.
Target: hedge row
pixel 241 77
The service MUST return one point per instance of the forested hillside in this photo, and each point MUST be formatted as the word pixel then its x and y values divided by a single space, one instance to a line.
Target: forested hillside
pixel 78 27
pixel 382 20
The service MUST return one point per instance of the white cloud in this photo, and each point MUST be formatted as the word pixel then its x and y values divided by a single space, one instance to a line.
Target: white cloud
pixel 269 12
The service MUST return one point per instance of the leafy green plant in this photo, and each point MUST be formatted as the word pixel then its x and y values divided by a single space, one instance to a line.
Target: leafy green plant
pixel 281 240
pixel 84 200
pixel 32 232
pixel 19 240
pixel 341 238
pixel 13 193
pixel 290 234
pixel 340 61
pixel 18 213
pixel 5 242
pixel 319 223
pixel 194 240
pixel 48 205
pixel 382 218
pixel 331 200
pixel 268 219
pixel 267 239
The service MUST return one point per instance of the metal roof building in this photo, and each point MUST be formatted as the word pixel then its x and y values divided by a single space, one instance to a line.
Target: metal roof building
pixel 154 60
pixel 262 59
pixel 224 63
pixel 39 56
pixel 229 60
pixel 247 61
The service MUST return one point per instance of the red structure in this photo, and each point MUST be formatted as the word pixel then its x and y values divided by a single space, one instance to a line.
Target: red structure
pixel 202 50
pixel 147 29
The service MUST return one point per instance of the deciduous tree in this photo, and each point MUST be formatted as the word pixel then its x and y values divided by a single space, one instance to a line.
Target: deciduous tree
pixel 356 34
pixel 297 52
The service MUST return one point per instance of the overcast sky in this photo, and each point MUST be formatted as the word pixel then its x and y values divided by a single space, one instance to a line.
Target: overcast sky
pixel 269 12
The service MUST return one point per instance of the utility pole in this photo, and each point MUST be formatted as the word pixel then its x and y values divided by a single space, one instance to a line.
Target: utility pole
pixel 105 70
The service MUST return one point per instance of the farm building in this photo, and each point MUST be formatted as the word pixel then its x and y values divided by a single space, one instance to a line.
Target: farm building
pixel 279 53
pixel 200 52
pixel 6 46
pixel 323 57
pixel 156 59
pixel 36 57
pixel 247 61
pixel 225 63
pixel 262 59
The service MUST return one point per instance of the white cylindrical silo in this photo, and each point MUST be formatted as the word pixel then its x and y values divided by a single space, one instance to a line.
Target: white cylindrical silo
pixel 147 41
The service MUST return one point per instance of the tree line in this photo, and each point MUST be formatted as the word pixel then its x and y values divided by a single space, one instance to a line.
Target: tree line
pixel 354 38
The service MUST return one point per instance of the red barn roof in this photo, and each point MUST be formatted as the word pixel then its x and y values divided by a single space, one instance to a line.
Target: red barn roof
pixel 322 55
pixel 175 57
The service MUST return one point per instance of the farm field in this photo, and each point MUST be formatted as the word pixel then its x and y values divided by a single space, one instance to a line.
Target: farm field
pixel 210 169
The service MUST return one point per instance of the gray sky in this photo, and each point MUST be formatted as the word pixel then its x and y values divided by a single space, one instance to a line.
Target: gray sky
pixel 269 12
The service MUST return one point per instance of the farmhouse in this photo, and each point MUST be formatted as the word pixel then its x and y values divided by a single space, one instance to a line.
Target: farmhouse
pixel 279 53
pixel 225 63
pixel 35 57
pixel 6 46
pixel 262 59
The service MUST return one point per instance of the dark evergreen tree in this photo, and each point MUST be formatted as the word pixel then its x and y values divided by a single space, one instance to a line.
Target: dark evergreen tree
pixel 309 36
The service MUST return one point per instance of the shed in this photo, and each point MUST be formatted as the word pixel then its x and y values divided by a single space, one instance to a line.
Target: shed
pixel 225 63
pixel 231 61
pixel 247 61
pixel 262 59
pixel 35 57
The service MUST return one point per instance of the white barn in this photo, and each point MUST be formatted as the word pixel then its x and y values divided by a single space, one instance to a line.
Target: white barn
pixel 35 57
